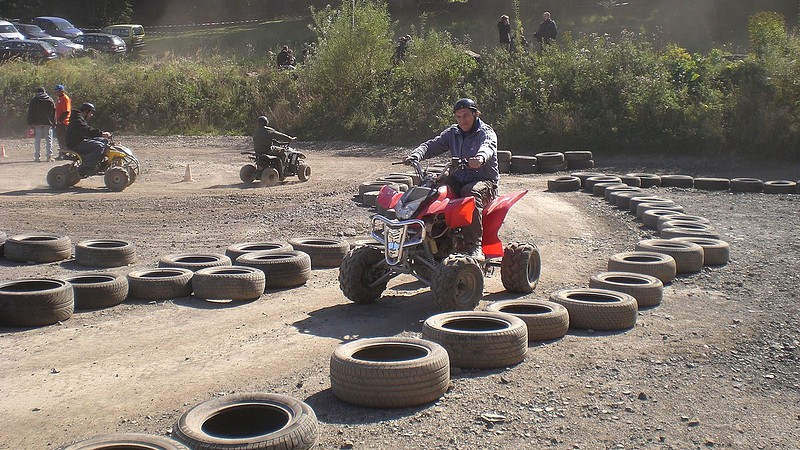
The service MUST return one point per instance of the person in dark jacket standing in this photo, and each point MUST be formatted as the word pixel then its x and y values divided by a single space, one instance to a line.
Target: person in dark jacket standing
pixel 472 140
pixel 547 30
pixel 504 28
pixel 86 140
pixel 42 117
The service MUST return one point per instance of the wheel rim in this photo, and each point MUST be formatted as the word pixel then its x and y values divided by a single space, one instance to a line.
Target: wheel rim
pixel 465 287
pixel 534 267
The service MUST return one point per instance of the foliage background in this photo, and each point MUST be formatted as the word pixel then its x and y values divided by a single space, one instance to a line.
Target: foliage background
pixel 617 92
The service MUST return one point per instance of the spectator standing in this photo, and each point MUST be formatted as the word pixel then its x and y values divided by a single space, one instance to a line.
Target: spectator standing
pixel 63 110
pixel 504 28
pixel 401 49
pixel 285 59
pixel 547 30
pixel 42 117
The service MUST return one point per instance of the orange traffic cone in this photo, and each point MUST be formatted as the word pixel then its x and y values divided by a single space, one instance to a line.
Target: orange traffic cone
pixel 188 175
pixel 3 151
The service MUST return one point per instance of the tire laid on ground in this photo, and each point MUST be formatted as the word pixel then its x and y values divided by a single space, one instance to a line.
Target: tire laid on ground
pixel 746 185
pixel 712 184
pixel 236 250
pixel 657 265
pixel 779 187
pixel 38 247
pixel 665 206
pixel 398 179
pixel 229 283
pixel 631 180
pixel 457 283
pixel 681 217
pixel 126 441
pixel 282 270
pixel 651 216
pixel 687 255
pixel 584 175
pixel 545 320
pixel 552 168
pixel 598 309
pixel 160 284
pixel 599 189
pixel 550 158
pixel 520 267
pixel 504 166
pixel 369 186
pixel 523 164
pixel 3 238
pixel 479 339
pixel 359 273
pixel 588 184
pixel 35 302
pixel 98 290
pixel 633 204
pixel 194 261
pixel 324 252
pixel 504 156
pixel 715 252
pixel 676 228
pixel 389 372
pixel 623 199
pixel 573 156
pixel 564 184
pixel 415 179
pixel 370 198
pixel 105 253
pixel 646 289
pixel 646 179
pixel 258 421
pixel 680 181
pixel 607 194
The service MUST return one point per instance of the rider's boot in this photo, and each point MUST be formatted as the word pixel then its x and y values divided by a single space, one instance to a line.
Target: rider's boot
pixel 475 251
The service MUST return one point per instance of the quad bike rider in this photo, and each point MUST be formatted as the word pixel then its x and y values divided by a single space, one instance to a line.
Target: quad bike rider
pixel 273 159
pixel 441 239
pixel 93 152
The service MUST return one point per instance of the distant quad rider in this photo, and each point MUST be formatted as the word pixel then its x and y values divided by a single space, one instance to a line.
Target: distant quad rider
pixel 263 138
pixel 86 140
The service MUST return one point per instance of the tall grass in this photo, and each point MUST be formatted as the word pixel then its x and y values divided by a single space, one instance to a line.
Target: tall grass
pixel 610 93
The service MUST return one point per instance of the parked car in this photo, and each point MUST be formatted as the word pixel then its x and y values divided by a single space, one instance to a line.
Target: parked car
pixel 31 31
pixel 8 31
pixel 63 46
pixel 57 27
pixel 27 49
pixel 101 42
pixel 132 34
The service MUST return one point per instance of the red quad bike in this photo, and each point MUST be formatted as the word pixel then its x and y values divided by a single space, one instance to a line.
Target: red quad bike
pixel 426 241
pixel 269 168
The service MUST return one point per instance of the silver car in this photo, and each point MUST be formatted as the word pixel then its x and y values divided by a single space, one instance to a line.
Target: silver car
pixel 64 47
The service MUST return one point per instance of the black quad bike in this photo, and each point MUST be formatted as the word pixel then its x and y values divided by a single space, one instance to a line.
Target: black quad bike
pixel 269 169
pixel 426 241
pixel 119 168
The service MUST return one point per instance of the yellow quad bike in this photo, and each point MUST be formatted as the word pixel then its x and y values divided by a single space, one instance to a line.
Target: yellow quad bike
pixel 119 168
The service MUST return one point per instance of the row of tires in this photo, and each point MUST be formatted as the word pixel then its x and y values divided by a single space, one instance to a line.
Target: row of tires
pixel 47 248
pixel 544 162
pixel 258 266
pixel 574 181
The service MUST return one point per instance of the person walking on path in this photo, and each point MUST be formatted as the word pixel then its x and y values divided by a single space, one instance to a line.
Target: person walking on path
pixel 42 117
pixel 504 28
pixel 547 31
pixel 63 109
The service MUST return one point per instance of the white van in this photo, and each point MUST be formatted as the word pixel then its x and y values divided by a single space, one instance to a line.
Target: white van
pixel 9 32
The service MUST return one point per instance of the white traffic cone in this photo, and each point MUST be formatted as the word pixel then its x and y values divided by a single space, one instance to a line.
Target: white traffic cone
pixel 188 175
pixel 3 151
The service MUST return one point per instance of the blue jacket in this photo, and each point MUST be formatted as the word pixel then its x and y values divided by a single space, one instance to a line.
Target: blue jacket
pixel 480 140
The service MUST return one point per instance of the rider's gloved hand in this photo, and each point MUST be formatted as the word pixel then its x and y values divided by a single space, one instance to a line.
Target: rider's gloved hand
pixel 410 159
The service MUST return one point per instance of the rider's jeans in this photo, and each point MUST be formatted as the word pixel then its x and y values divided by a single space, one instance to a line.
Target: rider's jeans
pixel 42 132
pixel 91 150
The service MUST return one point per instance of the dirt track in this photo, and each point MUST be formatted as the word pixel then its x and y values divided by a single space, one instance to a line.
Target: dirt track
pixel 714 365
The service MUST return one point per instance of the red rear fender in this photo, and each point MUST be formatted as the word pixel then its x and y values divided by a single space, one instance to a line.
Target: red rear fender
pixel 493 217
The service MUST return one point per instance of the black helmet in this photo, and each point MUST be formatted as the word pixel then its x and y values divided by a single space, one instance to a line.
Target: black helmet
pixel 465 103
pixel 86 107
pixel 263 120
